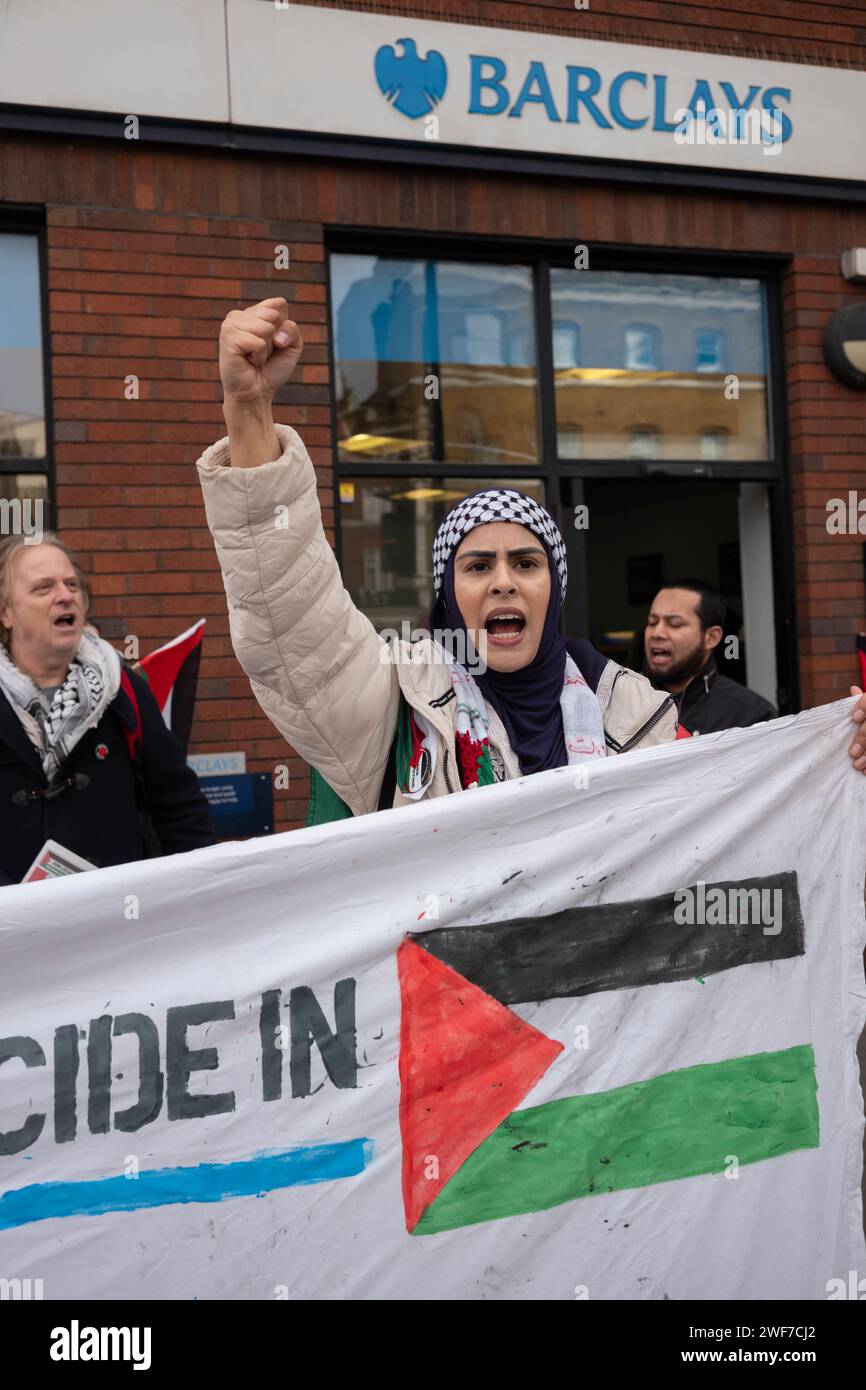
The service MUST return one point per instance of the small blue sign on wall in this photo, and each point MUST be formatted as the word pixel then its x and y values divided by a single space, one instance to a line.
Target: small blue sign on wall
pixel 240 805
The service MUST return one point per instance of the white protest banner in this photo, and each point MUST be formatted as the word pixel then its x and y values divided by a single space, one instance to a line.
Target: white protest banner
pixel 556 1039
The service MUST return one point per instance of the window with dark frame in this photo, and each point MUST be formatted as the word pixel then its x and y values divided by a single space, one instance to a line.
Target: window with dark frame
pixel 24 461
pixel 454 372
pixel 657 386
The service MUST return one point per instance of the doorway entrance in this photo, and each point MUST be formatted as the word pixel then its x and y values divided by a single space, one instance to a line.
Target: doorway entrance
pixel 644 533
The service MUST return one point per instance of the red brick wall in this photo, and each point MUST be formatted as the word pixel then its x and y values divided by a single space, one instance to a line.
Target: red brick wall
pixel 799 31
pixel 148 249
pixel 143 292
pixel 828 457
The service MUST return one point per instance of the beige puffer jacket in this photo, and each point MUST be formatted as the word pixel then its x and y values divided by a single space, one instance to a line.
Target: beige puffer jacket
pixel 317 667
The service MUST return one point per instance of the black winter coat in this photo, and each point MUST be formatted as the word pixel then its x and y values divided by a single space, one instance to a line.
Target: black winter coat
pixel 711 702
pixel 97 810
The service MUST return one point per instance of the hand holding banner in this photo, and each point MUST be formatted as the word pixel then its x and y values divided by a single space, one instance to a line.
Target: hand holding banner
pixel 512 1043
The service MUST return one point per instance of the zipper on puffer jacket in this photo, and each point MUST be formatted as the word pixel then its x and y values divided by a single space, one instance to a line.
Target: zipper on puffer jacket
pixel 445 769
pixel 642 731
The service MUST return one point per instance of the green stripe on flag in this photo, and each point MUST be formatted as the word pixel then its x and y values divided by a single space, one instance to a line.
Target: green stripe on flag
pixel 673 1126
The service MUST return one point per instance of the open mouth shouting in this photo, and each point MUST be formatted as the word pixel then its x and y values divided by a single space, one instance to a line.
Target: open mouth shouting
pixel 505 627
pixel 660 656
pixel 65 622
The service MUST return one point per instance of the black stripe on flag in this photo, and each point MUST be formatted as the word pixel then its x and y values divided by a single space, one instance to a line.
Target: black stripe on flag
pixel 183 696
pixel 584 950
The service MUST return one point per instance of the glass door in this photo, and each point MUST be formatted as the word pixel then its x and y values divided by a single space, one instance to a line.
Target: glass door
pixel 640 534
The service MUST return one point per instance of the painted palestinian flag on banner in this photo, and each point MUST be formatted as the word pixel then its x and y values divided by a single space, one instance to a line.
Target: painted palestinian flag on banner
pixel 557 1038
pixel 172 674
pixel 861 655
pixel 478 1005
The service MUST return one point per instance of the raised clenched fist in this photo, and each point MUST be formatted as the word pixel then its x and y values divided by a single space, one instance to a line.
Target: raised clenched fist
pixel 259 351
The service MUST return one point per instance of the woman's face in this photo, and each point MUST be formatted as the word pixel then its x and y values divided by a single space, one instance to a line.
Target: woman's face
pixel 502 587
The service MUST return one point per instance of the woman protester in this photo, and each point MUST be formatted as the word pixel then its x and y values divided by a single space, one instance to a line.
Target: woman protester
pixel 387 724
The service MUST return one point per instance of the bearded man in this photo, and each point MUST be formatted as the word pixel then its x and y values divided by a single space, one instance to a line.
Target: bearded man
pixel 683 629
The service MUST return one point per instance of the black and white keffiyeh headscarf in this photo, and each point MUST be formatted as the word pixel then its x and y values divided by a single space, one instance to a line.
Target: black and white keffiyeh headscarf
pixel 79 703
pixel 550 715
pixel 496 504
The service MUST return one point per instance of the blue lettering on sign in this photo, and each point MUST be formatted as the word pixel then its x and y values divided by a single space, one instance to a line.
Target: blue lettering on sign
pixel 616 110
pixel 735 102
pixel 660 121
pixel 768 102
pixel 492 82
pixel 739 107
pixel 414 85
pixel 583 96
pixel 702 99
pixel 536 75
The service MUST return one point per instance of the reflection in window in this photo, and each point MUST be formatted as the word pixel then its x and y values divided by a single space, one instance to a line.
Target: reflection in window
pixel 566 346
pixel 479 340
pixel 470 425
pixel 653 349
pixel 709 351
pixel 643 442
pixel 642 348
pixel 387 527
pixel 25 485
pixel 24 510
pixel 434 361
pixel 22 401
pixel 569 443
pixel 713 443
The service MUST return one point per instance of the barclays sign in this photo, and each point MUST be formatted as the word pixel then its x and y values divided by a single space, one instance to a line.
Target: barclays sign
pixel 471 87
pixel 315 71
pixel 572 93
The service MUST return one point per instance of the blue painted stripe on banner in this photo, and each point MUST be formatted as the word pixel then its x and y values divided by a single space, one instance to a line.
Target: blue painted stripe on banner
pixel 206 1182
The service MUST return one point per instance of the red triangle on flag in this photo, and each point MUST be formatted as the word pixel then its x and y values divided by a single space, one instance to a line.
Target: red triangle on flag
pixel 163 665
pixel 466 1061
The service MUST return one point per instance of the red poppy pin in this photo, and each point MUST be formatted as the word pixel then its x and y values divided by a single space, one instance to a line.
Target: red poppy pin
pixel 101 751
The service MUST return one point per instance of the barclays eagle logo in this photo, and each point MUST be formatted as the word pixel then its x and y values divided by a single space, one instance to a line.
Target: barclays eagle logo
pixel 414 85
